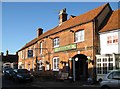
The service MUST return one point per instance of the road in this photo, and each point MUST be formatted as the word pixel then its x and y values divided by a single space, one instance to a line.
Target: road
pixel 9 84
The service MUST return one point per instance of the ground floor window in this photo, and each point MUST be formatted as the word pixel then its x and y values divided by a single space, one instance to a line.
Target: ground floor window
pixel 56 64
pixel 104 65
pixel 105 68
pixel 40 65
pixel 99 68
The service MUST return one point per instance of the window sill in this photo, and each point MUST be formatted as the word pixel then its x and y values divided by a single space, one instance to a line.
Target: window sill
pixel 79 41
pixel 56 46
pixel 55 69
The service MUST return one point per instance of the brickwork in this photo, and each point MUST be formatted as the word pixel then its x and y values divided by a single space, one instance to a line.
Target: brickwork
pixel 65 31
pixel 66 38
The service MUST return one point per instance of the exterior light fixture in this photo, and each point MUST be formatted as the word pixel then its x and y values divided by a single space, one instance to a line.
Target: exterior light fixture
pixel 76 59
pixel 88 57
pixel 70 59
pixel 78 52
pixel 72 31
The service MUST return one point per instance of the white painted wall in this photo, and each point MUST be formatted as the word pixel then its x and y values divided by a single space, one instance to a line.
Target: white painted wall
pixel 109 49
pixel 119 40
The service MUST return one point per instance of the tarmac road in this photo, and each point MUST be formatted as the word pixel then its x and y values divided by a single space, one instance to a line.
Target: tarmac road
pixel 38 84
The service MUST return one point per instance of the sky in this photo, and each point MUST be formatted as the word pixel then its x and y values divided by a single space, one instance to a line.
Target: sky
pixel 20 20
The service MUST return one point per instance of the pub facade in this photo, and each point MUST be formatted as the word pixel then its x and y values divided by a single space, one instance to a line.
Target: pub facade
pixel 74 43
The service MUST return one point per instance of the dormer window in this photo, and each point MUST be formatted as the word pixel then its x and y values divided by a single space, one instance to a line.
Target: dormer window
pixel 56 42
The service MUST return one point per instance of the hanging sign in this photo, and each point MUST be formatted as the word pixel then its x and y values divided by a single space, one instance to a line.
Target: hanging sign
pixel 30 53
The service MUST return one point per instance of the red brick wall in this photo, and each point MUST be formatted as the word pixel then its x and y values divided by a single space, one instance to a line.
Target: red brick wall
pixel 66 38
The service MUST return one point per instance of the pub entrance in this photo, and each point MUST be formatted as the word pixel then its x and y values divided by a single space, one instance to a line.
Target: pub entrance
pixel 80 67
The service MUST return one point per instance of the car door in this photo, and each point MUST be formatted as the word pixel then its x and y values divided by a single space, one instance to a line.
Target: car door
pixel 118 79
pixel 113 79
pixel 14 73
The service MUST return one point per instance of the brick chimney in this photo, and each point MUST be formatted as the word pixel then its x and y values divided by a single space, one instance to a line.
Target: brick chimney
pixel 62 16
pixel 39 32
pixel 7 52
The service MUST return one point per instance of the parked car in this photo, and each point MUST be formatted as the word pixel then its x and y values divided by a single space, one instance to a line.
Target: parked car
pixel 22 75
pixel 111 80
pixel 4 69
pixel 8 73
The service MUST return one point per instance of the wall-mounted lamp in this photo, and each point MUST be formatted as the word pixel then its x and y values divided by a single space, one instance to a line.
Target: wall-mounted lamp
pixel 76 59
pixel 48 37
pixel 72 31
pixel 42 40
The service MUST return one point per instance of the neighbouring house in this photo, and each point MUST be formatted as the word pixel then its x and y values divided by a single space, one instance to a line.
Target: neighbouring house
pixel 9 60
pixel 0 63
pixel 109 57
pixel 73 44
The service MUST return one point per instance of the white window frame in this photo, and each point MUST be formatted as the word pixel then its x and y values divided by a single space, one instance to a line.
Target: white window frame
pixel 57 64
pixel 56 42
pixel 79 36
pixel 23 54
pixel 40 64
pixel 41 46
pixel 34 51
pixel 104 62
pixel 112 38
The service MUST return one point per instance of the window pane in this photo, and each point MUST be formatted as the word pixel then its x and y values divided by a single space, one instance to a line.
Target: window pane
pixel 110 66
pixel 115 39
pixel 99 68
pixel 104 59
pixel 56 42
pixel 110 59
pixel 79 36
pixel 56 64
pixel 104 68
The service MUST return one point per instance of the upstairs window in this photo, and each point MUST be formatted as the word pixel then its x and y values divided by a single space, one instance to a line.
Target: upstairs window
pixel 109 39
pixel 115 39
pixel 56 42
pixel 40 47
pixel 79 36
pixel 112 39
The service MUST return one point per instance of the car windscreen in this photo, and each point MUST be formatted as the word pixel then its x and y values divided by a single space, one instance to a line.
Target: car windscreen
pixel 23 71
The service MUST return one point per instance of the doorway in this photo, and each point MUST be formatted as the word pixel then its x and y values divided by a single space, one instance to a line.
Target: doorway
pixel 80 67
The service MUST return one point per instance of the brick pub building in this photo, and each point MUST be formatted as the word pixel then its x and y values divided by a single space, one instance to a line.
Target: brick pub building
pixel 73 43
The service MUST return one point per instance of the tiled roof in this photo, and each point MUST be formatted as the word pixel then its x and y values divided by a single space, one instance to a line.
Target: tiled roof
pixel 83 18
pixel 28 44
pixel 112 23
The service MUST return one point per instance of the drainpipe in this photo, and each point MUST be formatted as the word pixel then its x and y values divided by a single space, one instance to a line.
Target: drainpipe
pixel 114 61
pixel 74 70
pixel 94 68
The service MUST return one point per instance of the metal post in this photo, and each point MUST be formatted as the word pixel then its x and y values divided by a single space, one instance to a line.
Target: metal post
pixel 74 70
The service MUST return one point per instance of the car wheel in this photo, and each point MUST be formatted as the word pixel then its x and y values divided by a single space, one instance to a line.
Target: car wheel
pixel 105 87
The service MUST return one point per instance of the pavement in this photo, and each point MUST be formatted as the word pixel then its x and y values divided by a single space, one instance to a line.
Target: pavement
pixel 62 84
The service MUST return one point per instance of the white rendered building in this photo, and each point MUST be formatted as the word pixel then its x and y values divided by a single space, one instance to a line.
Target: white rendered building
pixel 109 57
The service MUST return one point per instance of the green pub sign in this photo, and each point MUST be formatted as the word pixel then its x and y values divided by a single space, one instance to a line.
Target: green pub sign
pixel 64 48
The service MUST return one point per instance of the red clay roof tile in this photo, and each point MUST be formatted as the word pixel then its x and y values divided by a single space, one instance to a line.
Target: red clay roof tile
pixel 83 18
pixel 112 23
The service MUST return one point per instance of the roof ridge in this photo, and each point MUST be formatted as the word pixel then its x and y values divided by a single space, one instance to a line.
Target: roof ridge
pixel 112 23
pixel 70 23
